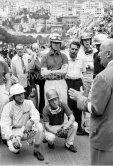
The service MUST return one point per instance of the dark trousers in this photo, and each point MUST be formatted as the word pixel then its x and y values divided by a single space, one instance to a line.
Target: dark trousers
pixel 41 84
pixel 34 79
pixel 75 84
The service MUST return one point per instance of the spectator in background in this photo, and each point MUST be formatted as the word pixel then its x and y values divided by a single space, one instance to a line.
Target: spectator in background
pixel 19 67
pixel 35 75
pixel 87 52
pixel 98 67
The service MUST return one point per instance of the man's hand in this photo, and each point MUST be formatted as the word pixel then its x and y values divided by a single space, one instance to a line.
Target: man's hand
pixel 28 125
pixel 16 143
pixel 79 98
pixel 62 133
pixel 74 94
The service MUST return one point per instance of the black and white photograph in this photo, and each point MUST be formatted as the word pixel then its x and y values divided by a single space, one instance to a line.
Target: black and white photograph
pixel 56 82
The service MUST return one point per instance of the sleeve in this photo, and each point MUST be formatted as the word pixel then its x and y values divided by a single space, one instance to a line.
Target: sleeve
pixel 44 61
pixel 100 95
pixel 65 59
pixel 6 127
pixel 6 69
pixel 45 115
pixel 13 69
pixel 34 113
pixel 67 110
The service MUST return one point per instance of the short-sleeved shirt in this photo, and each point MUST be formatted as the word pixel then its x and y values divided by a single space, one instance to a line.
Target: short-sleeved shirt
pixel 75 68
pixel 54 61
pixel 56 119
pixel 3 71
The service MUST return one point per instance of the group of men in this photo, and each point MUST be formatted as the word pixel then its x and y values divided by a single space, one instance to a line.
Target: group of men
pixel 69 93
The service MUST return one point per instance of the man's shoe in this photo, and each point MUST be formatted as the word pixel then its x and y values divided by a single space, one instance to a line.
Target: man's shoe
pixel 81 132
pixel 71 148
pixel 51 146
pixel 17 152
pixel 44 140
pixel 38 155
pixel 4 142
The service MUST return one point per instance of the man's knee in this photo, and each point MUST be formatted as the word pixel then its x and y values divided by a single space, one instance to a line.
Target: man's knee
pixel 39 128
pixel 75 126
pixel 49 136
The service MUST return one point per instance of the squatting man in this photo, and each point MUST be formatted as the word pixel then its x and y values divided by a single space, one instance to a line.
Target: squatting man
pixel 20 121
pixel 55 123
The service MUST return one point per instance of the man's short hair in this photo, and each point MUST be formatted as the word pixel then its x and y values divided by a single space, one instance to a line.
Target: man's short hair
pixel 77 43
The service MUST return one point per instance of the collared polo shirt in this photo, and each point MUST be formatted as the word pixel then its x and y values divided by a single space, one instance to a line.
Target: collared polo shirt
pixel 54 61
pixel 75 68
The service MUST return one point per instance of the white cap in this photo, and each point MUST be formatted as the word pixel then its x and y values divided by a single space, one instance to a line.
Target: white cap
pixel 16 89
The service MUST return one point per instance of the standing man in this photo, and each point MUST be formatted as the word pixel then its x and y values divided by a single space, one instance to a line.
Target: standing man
pixel 86 52
pixel 35 75
pixel 20 121
pixel 101 108
pixel 98 67
pixel 54 68
pixel 74 77
pixel 19 67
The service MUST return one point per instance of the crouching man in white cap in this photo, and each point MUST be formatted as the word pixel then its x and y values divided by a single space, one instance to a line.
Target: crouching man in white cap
pixel 55 124
pixel 20 121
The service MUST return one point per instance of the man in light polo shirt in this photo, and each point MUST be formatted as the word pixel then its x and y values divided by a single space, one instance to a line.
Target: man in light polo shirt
pixel 74 80
pixel 54 68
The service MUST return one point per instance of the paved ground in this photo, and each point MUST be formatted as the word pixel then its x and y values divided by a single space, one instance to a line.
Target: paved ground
pixel 56 157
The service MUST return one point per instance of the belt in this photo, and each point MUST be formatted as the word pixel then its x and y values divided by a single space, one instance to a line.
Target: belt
pixel 54 78
pixel 78 79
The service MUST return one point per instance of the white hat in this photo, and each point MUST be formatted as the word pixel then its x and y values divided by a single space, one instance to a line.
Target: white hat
pixel 16 89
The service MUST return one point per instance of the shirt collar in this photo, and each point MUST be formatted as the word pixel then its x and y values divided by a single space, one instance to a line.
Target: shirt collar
pixel 110 63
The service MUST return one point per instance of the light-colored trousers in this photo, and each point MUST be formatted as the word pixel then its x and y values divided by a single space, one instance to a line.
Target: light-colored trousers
pixel 60 86
pixel 36 135
pixel 4 98
pixel 50 137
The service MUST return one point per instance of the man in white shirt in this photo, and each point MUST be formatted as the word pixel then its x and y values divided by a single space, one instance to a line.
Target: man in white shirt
pixel 87 52
pixel 20 121
pixel 19 66
pixel 74 80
